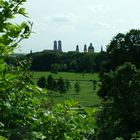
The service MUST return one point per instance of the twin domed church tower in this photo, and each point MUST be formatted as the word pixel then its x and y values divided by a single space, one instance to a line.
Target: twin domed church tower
pixel 57 46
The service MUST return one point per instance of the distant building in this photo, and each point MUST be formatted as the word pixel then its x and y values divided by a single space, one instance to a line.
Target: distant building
pixel 55 46
pixel 85 48
pixel 31 51
pixel 77 48
pixel 91 48
pixel 101 48
pixel 59 46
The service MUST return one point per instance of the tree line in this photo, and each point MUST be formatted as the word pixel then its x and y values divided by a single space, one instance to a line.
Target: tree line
pixel 62 61
pixel 60 85
pixel 70 61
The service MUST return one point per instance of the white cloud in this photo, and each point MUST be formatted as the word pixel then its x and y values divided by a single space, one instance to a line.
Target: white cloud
pixel 101 26
pixel 61 18
pixel 56 24
pixel 98 8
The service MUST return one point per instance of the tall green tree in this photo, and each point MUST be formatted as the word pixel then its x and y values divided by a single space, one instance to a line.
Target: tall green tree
pixel 94 84
pixel 77 87
pixel 17 103
pixel 51 83
pixel 67 84
pixel 42 82
pixel 88 62
pixel 55 68
pixel 120 112
pixel 61 85
pixel 124 48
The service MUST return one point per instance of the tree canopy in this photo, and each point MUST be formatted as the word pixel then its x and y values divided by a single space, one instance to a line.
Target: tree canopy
pixel 124 48
pixel 70 61
pixel 120 92
pixel 120 112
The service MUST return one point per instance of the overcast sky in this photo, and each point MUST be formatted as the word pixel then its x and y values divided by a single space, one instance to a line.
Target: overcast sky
pixel 79 22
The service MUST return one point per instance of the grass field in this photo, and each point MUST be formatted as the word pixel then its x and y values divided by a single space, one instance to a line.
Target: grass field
pixel 68 75
pixel 86 97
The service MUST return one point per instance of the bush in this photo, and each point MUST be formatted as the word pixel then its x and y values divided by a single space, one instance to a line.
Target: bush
pixel 77 87
pixel 42 82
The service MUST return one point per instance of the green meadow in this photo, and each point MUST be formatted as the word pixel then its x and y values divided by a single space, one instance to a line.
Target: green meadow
pixel 68 75
pixel 87 96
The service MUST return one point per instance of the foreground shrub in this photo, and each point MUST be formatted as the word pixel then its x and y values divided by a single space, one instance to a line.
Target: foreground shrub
pixel 22 111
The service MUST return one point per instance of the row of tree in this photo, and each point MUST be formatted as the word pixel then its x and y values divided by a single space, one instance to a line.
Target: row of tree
pixel 71 61
pixel 60 85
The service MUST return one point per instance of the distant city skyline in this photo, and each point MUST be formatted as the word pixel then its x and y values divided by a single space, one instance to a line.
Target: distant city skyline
pixel 57 47
pixel 78 22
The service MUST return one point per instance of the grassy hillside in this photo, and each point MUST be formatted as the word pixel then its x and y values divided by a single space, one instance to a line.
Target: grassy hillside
pixel 86 97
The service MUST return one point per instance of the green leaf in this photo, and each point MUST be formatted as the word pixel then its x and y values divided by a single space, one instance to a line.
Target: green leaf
pixel 22 11
pixel 38 135
pixel 2 4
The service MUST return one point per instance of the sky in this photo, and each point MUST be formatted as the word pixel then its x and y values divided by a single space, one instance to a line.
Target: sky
pixel 78 22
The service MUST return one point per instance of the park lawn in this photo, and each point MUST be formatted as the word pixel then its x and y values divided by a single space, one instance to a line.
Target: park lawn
pixel 86 97
pixel 68 75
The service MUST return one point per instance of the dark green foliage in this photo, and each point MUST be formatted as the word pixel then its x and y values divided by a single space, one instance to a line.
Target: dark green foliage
pixel 51 83
pixel 101 59
pixel 67 84
pixel 135 136
pixel 88 62
pixel 42 82
pixel 71 61
pixel 55 68
pixel 120 112
pixel 43 61
pixel 77 87
pixel 124 48
pixel 94 84
pixel 61 87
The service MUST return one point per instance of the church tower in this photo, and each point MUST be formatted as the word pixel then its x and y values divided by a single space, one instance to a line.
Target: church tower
pixel 85 48
pixel 101 48
pixel 59 46
pixel 77 48
pixel 55 46
pixel 91 48
pixel 31 51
